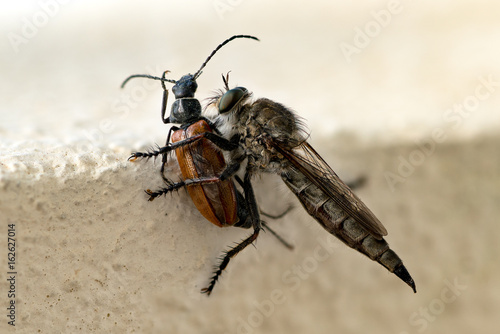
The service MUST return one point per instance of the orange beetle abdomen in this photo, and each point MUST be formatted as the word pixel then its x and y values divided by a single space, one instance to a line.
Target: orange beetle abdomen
pixel 215 201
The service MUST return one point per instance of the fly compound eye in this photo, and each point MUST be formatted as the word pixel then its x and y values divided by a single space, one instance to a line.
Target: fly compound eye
pixel 231 98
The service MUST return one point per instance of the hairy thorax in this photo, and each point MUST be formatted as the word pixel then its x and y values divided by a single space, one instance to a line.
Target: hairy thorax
pixel 268 121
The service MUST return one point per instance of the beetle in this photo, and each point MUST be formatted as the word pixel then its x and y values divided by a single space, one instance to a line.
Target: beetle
pixel 219 202
pixel 216 202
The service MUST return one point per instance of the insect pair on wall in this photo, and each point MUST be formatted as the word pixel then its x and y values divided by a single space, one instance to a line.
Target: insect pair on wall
pixel 265 137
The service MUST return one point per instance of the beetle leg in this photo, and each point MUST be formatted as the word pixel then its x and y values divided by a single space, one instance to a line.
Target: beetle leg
pixel 164 100
pixel 169 147
pixel 212 125
pixel 165 156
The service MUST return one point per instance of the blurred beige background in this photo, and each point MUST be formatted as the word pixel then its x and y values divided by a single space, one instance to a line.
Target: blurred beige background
pixel 403 92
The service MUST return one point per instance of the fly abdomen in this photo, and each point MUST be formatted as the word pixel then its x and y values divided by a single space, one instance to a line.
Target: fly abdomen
pixel 336 221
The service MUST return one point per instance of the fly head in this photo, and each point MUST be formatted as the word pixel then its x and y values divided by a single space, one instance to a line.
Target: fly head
pixel 232 98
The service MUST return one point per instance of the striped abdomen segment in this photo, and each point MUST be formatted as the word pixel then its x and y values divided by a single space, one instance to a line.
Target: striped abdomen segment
pixel 340 224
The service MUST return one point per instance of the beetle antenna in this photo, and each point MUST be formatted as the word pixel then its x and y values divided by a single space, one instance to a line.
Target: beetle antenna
pixel 162 79
pixel 197 74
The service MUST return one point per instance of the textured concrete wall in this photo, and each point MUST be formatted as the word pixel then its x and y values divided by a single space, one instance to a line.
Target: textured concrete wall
pixel 94 255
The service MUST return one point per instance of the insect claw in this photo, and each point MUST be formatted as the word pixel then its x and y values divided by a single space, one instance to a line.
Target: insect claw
pixel 150 194
pixel 207 291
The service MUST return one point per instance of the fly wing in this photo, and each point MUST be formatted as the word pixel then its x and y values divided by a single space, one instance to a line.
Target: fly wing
pixel 306 160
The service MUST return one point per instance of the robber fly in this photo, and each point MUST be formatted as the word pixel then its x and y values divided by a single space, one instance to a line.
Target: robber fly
pixel 270 138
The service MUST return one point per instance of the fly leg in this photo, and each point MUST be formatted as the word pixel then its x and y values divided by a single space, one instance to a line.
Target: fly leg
pixel 281 215
pixel 243 215
pixel 240 182
pixel 277 236
pixel 225 260
pixel 256 223
pixel 221 142
pixel 171 186
pixel 357 183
